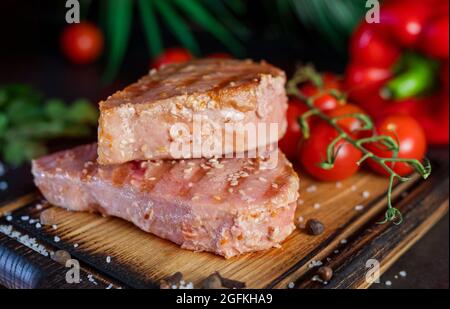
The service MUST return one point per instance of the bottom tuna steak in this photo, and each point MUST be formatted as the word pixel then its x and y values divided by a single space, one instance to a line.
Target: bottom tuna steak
pixel 225 206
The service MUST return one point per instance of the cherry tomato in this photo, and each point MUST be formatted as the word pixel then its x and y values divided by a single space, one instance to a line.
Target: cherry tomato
pixel 220 56
pixel 325 101
pixel 289 143
pixel 409 135
pixel 313 151
pixel 171 55
pixel 82 43
pixel 351 125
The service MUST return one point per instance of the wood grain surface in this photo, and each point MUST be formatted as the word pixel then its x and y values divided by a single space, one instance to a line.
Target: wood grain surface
pixel 351 237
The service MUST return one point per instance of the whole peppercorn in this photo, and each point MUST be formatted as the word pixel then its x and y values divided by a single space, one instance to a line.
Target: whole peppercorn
pixel 325 273
pixel 314 227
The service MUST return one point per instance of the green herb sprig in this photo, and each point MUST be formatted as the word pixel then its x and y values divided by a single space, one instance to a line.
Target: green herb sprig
pixel 308 74
pixel 28 120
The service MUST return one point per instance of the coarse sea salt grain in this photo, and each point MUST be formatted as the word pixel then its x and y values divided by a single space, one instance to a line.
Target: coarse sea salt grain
pixel 344 241
pixel 316 206
pixel 403 273
pixel 316 278
pixel 388 283
pixel 9 218
pixel 315 263
pixel 91 279
pixel 108 259
pixel 24 239
pixel 75 245
pixel 56 238
pixel 359 207
pixel 366 194
pixel 311 189
pixel 291 285
pixel 3 185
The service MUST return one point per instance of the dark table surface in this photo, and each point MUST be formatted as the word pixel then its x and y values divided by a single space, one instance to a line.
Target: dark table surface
pixel 425 264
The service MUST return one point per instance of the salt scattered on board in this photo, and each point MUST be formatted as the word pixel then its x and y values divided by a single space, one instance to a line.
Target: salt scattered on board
pixel 359 207
pixel 3 185
pixel 366 194
pixel 24 239
pixel 312 188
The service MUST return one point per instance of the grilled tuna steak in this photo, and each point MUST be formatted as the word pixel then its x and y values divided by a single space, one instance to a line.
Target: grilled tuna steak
pixel 135 124
pixel 225 206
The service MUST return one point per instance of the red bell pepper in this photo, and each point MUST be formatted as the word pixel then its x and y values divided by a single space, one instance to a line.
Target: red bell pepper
pixel 400 65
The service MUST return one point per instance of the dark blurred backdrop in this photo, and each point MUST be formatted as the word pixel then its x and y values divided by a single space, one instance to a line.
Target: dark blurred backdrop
pixel 30 52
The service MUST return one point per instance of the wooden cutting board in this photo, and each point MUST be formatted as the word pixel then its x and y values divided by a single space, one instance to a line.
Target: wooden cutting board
pixel 114 253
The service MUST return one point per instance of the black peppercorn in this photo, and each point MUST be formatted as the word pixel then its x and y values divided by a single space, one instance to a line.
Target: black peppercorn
pixel 314 227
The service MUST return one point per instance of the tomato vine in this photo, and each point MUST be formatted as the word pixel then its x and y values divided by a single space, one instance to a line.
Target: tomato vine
pixel 308 74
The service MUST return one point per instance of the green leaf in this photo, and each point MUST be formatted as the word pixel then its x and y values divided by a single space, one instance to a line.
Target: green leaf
pixel 3 97
pixel 41 129
pixel 151 27
pixel 55 109
pixel 3 124
pixel 21 110
pixel 82 111
pixel 118 24
pixel 178 26
pixel 335 20
pixel 238 6
pixel 228 19
pixel 285 11
pixel 18 151
pixel 207 21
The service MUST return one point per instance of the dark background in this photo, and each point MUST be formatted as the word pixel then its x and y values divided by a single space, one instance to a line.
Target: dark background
pixel 29 53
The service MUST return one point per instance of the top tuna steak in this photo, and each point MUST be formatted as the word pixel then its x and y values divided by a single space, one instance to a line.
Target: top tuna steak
pixel 193 103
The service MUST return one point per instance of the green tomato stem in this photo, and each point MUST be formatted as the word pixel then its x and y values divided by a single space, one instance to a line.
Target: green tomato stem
pixel 392 214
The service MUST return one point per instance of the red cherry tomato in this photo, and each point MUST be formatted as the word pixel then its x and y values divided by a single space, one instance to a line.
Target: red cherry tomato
pixel 314 149
pixel 351 125
pixel 82 43
pixel 408 134
pixel 220 56
pixel 325 101
pixel 289 143
pixel 172 55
